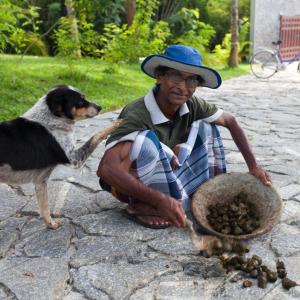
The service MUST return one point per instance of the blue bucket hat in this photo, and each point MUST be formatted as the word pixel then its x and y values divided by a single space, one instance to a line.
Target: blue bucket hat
pixel 182 58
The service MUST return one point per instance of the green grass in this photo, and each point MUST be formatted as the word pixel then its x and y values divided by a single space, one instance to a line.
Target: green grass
pixel 22 83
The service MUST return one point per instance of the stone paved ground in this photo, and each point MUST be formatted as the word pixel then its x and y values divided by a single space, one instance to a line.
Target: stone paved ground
pixel 98 254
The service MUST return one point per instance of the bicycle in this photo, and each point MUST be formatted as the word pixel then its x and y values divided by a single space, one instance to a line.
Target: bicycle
pixel 266 62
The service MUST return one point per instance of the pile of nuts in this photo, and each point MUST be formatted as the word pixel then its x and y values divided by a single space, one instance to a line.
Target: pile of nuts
pixel 240 217
pixel 254 268
pixel 236 218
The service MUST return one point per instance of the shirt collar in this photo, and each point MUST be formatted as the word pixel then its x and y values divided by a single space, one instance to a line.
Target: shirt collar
pixel 156 114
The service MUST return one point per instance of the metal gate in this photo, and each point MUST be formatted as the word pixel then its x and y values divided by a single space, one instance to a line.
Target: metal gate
pixel 290 36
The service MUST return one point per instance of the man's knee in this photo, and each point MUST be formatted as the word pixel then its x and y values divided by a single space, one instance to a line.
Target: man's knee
pixel 146 147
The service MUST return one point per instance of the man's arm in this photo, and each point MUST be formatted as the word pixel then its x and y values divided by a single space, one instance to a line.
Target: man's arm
pixel 113 169
pixel 239 137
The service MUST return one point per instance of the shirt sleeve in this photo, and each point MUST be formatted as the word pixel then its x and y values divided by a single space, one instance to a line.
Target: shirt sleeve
pixel 202 110
pixel 134 120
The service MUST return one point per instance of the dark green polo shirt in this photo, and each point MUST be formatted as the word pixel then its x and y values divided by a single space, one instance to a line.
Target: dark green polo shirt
pixel 136 117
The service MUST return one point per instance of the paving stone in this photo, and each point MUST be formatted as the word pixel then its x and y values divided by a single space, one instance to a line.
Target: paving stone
pixel 7 239
pixel 289 191
pixel 74 296
pixel 119 281
pixel 89 181
pixel 112 223
pixel 48 242
pixel 291 212
pixel 6 294
pixel 94 249
pixel 37 278
pixel 283 169
pixel 12 224
pixel 175 243
pixel 11 202
pixel 187 290
pixel 286 241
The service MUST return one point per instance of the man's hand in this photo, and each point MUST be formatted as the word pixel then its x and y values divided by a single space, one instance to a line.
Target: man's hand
pixel 172 210
pixel 262 175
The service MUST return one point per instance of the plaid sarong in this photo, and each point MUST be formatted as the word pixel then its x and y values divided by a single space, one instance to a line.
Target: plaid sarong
pixel 200 158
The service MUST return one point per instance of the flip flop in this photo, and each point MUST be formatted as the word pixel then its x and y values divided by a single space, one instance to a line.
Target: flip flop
pixel 135 217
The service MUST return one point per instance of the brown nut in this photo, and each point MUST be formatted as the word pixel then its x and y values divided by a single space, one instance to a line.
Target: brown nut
pixel 272 276
pixel 254 273
pixel 280 265
pixel 288 283
pixel 257 258
pixel 247 283
pixel 262 281
pixel 281 273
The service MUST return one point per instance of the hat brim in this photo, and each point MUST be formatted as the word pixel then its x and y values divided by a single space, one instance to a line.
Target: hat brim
pixel 212 78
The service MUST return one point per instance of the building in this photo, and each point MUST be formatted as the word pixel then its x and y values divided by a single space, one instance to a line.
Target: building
pixel 267 25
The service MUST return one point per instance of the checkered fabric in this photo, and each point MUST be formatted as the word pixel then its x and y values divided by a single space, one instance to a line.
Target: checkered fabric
pixel 200 158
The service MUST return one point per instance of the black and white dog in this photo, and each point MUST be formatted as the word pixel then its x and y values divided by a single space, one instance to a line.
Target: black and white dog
pixel 32 145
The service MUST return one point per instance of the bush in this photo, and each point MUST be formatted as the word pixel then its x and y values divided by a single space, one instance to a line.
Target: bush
pixel 190 31
pixel 223 51
pixel 19 29
pixel 89 39
pixel 143 37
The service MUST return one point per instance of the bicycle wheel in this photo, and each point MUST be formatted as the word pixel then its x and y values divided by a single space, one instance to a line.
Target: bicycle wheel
pixel 264 64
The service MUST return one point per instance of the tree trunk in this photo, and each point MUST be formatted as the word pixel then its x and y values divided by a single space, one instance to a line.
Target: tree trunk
pixel 74 28
pixel 130 11
pixel 234 52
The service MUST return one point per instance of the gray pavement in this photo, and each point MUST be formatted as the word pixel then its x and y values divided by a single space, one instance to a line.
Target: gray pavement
pixel 98 254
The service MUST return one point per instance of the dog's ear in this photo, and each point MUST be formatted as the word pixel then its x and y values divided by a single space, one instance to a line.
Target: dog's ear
pixel 56 100
pixel 57 111
pixel 54 105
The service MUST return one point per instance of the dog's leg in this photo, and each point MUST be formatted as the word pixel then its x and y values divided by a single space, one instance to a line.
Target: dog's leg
pixel 42 197
pixel 79 156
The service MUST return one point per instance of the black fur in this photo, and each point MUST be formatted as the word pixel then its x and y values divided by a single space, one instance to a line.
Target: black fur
pixel 27 145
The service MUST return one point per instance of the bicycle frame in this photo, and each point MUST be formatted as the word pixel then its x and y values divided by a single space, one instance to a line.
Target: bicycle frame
pixel 266 62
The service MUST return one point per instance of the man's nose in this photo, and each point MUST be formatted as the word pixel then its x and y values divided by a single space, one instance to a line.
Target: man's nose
pixel 182 84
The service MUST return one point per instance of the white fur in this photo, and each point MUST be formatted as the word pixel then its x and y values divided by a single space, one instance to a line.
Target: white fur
pixel 60 128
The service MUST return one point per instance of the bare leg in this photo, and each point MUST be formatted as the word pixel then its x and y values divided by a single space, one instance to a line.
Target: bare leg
pixel 42 198
pixel 136 206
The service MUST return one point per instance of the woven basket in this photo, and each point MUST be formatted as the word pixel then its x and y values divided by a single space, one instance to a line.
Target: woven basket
pixel 223 188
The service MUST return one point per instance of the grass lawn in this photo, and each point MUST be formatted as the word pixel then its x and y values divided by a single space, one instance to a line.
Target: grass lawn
pixel 24 82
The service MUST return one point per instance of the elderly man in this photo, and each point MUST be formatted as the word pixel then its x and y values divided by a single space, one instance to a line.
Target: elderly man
pixel 168 143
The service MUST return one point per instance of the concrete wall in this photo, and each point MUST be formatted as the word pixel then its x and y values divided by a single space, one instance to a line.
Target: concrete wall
pixel 265 23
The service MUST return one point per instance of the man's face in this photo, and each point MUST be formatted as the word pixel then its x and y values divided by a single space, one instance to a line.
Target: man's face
pixel 177 87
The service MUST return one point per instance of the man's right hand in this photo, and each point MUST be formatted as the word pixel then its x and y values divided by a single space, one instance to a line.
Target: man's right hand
pixel 172 210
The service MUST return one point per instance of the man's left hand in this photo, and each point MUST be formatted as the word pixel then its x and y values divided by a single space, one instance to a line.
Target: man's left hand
pixel 262 175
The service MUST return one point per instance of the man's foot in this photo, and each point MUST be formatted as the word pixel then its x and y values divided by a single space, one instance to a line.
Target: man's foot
pixel 146 215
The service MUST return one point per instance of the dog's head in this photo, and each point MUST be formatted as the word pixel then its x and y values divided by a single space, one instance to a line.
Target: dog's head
pixel 68 102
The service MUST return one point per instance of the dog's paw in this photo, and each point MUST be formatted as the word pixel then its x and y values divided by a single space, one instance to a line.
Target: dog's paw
pixel 54 224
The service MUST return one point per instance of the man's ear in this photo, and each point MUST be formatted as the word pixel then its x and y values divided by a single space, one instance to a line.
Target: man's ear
pixel 158 78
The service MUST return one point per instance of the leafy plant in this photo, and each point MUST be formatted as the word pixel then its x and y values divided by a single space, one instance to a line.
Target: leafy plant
pixel 19 28
pixel 143 37
pixel 223 51
pixel 193 32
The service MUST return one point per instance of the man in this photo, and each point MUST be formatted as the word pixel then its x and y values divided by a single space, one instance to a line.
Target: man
pixel 168 143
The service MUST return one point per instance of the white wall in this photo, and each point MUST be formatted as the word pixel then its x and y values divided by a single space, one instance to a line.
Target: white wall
pixel 265 23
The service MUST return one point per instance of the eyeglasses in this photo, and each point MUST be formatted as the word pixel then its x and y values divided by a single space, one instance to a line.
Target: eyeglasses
pixel 191 82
